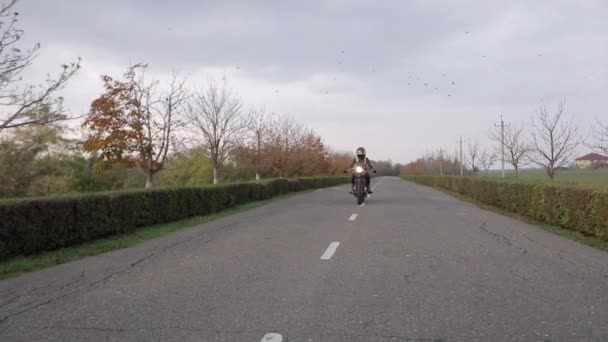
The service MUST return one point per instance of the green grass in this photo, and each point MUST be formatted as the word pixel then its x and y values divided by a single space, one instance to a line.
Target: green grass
pixel 23 264
pixel 576 236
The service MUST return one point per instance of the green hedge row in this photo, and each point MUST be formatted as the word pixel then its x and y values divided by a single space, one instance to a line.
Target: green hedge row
pixel 29 226
pixel 579 209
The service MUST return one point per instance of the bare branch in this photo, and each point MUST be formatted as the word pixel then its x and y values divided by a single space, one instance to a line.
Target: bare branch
pixel 215 115
pixel 487 158
pixel 517 147
pixel 554 140
pixel 473 155
pixel 21 102
pixel 259 130
pixel 600 137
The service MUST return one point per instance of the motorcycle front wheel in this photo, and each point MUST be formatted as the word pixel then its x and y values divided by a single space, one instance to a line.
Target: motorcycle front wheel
pixel 360 197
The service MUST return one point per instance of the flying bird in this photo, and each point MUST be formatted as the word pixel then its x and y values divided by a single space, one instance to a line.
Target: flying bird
pixel 452 83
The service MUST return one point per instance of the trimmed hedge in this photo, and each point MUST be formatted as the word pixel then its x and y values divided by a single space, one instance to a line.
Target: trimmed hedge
pixel 580 209
pixel 29 226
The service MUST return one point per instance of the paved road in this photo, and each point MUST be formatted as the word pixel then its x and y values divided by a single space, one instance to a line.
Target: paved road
pixel 412 265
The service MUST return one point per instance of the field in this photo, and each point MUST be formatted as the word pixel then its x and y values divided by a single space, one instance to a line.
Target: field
pixel 588 178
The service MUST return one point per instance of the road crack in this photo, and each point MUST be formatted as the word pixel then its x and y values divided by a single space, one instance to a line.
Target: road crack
pixel 499 237
pixel 52 300
pixel 142 260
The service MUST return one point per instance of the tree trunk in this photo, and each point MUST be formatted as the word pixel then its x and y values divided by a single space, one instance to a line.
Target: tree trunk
pixel 551 172
pixel 516 171
pixel 215 175
pixel 149 176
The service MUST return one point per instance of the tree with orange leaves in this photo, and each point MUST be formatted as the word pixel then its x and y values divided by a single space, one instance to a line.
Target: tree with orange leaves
pixel 132 123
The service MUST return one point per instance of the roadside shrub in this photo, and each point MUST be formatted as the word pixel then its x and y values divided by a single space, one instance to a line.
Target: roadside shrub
pixel 29 226
pixel 570 207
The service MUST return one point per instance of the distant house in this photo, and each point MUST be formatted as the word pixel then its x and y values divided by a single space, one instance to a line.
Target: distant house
pixel 592 160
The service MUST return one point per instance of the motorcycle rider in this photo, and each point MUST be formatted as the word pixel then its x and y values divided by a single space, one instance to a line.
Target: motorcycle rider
pixel 367 165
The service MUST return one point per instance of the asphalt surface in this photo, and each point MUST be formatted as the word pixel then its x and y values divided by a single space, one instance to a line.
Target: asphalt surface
pixel 414 264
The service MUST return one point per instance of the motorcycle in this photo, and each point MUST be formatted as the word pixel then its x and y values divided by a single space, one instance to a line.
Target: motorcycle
pixel 360 191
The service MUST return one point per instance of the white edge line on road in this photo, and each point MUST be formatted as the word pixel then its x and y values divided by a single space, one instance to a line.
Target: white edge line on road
pixel 353 217
pixel 272 337
pixel 329 252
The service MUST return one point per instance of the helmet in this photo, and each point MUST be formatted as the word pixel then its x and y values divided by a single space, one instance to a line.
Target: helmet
pixel 361 152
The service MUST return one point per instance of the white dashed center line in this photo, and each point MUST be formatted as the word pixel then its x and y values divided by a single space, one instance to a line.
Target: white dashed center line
pixel 353 217
pixel 330 250
pixel 272 337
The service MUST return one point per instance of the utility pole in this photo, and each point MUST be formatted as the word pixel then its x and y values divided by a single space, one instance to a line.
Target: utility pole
pixel 441 162
pixel 461 161
pixel 502 144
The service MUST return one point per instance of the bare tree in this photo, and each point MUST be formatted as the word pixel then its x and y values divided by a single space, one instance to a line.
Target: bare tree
pixel 600 138
pixel 21 102
pixel 473 155
pixel 487 158
pixel 217 121
pixel 517 146
pixel 555 140
pixel 260 129
pixel 164 120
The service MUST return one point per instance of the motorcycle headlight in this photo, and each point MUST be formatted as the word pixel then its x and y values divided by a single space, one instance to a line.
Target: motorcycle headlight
pixel 359 169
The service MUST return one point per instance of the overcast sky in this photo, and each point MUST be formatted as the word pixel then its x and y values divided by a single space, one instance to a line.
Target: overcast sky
pixel 371 73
